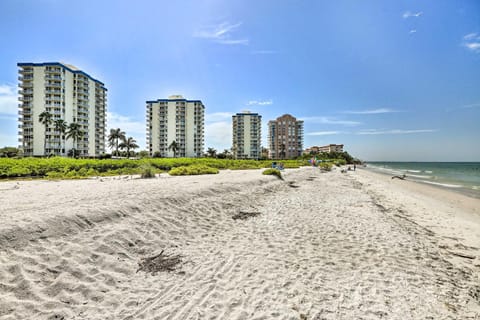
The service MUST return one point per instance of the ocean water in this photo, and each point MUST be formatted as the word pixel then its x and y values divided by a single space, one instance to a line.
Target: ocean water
pixel 463 177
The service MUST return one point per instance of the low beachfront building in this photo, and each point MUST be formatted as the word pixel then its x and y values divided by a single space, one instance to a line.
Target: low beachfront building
pixel 247 132
pixel 175 127
pixel 328 148
pixel 285 137
pixel 65 93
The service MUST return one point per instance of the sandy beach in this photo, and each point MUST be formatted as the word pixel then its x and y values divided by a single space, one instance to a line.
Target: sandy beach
pixel 329 245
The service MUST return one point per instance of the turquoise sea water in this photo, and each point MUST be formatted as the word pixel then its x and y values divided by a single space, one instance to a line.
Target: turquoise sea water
pixel 459 176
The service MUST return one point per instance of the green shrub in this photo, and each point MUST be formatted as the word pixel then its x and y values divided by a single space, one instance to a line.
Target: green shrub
pixel 274 172
pixel 192 170
pixel 147 171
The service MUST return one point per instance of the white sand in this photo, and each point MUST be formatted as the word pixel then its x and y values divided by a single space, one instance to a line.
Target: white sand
pixel 338 246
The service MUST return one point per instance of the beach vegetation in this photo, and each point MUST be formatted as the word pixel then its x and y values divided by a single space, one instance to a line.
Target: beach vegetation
pixel 147 171
pixel 325 166
pixel 192 170
pixel 273 172
pixel 61 167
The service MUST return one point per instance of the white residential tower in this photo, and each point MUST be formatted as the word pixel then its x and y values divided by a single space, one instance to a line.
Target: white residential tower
pixel 178 120
pixel 247 132
pixel 66 93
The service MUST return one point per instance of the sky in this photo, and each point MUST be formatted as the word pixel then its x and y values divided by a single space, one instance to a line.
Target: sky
pixel 391 80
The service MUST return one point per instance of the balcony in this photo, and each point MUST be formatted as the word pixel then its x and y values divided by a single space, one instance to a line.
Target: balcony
pixel 26 78
pixel 52 77
pixel 54 84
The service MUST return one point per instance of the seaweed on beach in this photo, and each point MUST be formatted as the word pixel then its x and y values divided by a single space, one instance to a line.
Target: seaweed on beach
pixel 159 262
pixel 243 215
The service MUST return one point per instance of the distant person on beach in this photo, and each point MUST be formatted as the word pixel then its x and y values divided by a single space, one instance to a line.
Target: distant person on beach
pixel 354 167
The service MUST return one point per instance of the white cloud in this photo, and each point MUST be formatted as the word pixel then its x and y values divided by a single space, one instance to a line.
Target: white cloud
pixel 372 111
pixel 218 116
pixel 326 120
pixel 413 31
pixel 323 133
pixel 472 42
pixel 8 100
pixel 469 106
pixel 394 131
pixel 221 33
pixel 408 14
pixel 260 103
pixel 218 135
pixel 470 36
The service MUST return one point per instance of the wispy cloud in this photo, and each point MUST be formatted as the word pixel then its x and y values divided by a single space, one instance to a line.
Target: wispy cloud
pixel 218 116
pixel 8 99
pixel 221 33
pixel 394 131
pixel 326 120
pixel 408 14
pixel 413 31
pixel 471 41
pixel 372 111
pixel 259 102
pixel 324 133
pixel 469 106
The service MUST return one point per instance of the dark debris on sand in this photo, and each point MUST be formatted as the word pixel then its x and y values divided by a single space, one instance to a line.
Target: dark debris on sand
pixel 242 215
pixel 159 262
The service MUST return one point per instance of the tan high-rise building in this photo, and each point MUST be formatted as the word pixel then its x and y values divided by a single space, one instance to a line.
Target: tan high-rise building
pixel 285 137
pixel 66 93
pixel 247 132
pixel 175 119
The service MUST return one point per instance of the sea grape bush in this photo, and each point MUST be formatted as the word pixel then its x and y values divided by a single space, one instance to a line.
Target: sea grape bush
pixel 60 168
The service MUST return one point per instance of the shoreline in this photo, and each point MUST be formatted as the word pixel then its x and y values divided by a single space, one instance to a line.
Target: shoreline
pixel 317 246
pixel 420 175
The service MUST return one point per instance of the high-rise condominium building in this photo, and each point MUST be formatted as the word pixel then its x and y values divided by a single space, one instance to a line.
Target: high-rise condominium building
pixel 175 127
pixel 65 93
pixel 247 132
pixel 285 137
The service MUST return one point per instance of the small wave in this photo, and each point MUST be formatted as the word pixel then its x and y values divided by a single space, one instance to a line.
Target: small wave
pixel 414 171
pixel 476 187
pixel 426 171
pixel 420 176
pixel 444 184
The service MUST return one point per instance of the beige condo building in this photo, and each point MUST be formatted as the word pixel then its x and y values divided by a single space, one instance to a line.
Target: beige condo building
pixel 247 132
pixel 66 93
pixel 175 119
pixel 285 137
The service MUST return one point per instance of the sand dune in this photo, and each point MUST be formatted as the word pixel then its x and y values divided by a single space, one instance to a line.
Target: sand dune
pixel 323 246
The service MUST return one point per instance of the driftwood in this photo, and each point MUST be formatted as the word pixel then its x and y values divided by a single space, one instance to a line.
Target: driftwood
pixel 402 177
pixel 159 262
pixel 242 215
pixel 462 255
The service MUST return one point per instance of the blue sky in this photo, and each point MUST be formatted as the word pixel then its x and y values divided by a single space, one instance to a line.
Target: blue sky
pixel 391 80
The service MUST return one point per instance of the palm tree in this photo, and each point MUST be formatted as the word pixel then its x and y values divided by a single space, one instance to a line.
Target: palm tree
pixel 60 125
pixel 114 137
pixel 128 143
pixel 75 132
pixel 174 147
pixel 45 118
pixel 212 153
